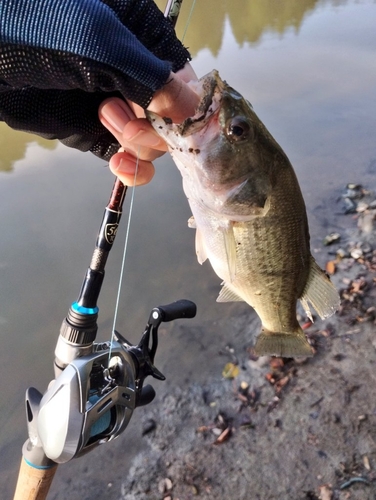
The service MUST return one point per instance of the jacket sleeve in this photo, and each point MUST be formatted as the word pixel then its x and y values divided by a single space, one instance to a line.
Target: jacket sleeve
pixel 60 58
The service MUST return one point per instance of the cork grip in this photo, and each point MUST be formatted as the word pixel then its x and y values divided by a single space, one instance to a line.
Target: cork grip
pixel 33 483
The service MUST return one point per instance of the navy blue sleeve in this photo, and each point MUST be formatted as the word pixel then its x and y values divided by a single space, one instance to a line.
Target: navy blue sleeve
pixel 75 53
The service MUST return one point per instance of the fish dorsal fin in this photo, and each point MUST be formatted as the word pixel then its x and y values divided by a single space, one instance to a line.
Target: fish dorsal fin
pixel 320 293
pixel 230 247
pixel 200 247
pixel 228 295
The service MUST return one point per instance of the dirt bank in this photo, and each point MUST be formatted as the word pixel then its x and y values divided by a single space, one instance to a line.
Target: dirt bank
pixel 281 429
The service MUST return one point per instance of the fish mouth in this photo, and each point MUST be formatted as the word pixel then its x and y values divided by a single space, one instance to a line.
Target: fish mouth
pixel 210 87
pixel 210 90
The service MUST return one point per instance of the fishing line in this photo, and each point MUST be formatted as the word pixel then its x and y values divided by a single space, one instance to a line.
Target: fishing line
pixel 124 253
pixel 188 20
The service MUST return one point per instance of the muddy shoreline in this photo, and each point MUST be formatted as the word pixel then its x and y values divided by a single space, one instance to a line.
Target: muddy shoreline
pixel 282 428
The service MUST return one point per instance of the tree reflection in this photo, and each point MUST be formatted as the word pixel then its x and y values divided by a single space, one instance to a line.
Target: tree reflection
pixel 13 145
pixel 249 20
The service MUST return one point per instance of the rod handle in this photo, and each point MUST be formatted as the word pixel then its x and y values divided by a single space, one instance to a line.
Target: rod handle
pixel 33 483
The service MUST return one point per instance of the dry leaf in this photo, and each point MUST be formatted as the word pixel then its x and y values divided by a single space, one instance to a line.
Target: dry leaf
pixel 366 462
pixel 230 371
pixel 331 267
pixel 223 436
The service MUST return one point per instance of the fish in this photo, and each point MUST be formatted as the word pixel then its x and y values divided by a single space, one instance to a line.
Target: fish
pixel 249 215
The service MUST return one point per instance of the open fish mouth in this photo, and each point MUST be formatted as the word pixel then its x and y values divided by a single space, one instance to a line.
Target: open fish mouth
pixel 210 88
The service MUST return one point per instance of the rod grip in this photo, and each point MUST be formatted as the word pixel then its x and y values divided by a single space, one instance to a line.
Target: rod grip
pixel 33 483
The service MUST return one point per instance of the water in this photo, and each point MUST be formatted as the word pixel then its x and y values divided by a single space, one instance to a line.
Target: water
pixel 309 69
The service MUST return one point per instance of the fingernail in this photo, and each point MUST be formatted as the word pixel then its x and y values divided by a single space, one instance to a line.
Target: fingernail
pixel 144 138
pixel 125 167
pixel 116 115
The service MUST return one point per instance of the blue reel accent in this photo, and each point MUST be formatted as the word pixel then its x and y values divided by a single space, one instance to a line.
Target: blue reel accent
pixel 40 467
pixel 84 310
pixel 104 421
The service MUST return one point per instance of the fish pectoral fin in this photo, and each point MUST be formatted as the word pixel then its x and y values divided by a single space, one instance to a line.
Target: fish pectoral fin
pixel 200 247
pixel 228 295
pixel 287 345
pixel 192 223
pixel 320 293
pixel 230 247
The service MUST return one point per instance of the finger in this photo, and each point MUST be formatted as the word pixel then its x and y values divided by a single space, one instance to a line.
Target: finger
pixel 187 73
pixel 124 166
pixel 137 136
pixel 139 132
pixel 114 114
pixel 176 100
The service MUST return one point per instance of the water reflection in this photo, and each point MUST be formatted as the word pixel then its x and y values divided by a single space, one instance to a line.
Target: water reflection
pixel 249 20
pixel 13 145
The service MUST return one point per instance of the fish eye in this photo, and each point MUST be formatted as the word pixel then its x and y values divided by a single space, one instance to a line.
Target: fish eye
pixel 238 129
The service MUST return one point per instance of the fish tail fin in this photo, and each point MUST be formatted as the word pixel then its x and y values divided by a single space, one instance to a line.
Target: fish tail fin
pixel 287 345
pixel 320 293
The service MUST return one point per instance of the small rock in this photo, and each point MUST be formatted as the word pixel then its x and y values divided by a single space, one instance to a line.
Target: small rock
pixel 331 238
pixel 342 254
pixel 149 426
pixel 244 385
pixel 356 253
pixel 326 492
pixel 349 206
pixel 361 207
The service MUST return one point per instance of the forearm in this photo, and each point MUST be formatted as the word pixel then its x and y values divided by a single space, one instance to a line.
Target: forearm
pixel 53 34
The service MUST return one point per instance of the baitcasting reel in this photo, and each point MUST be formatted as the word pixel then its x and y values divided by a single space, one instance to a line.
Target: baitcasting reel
pixel 92 399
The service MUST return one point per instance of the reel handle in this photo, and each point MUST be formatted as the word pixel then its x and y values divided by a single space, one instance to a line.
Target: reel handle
pixel 176 310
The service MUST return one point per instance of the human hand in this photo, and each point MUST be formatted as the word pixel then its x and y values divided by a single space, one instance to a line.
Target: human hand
pixel 100 49
pixel 140 143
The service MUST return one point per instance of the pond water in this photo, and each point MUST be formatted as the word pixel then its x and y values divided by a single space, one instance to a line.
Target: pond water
pixel 309 69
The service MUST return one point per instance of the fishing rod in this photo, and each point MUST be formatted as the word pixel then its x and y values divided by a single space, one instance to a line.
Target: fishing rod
pixel 97 386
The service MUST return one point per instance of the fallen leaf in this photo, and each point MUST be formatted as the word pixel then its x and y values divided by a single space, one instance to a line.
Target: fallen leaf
pixel 366 462
pixel 223 436
pixel 230 370
pixel 330 267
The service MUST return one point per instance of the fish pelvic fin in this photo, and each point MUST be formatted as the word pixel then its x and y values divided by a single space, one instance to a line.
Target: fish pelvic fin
pixel 286 345
pixel 320 293
pixel 200 247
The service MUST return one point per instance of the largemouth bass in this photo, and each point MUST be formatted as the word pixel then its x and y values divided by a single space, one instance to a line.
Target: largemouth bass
pixel 249 215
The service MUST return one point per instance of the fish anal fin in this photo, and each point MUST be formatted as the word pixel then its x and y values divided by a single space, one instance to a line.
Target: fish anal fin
pixel 228 295
pixel 287 345
pixel 306 308
pixel 320 293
